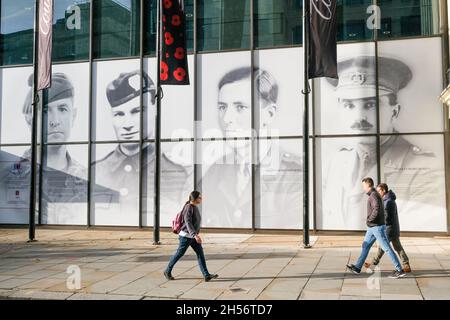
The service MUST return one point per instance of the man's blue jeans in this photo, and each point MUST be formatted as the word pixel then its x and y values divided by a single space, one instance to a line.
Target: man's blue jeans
pixel 183 246
pixel 373 234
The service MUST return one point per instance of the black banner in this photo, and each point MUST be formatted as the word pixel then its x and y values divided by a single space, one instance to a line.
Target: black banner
pixel 173 58
pixel 45 44
pixel 322 39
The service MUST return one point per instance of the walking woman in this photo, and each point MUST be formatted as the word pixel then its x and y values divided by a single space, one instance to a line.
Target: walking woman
pixel 189 236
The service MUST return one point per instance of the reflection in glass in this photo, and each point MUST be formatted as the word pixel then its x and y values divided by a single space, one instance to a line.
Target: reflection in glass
pixel 278 23
pixel 71 30
pixel 16 32
pixel 223 24
pixel 116 28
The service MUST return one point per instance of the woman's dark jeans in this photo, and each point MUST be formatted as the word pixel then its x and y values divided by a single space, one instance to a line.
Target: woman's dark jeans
pixel 184 245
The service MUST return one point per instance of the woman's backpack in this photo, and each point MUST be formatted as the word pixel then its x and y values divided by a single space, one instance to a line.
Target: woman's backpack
pixel 177 223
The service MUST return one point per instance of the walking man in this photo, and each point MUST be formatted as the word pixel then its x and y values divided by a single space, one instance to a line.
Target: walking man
pixel 392 227
pixel 376 231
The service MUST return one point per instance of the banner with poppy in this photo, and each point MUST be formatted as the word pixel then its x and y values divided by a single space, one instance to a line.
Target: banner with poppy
pixel 173 59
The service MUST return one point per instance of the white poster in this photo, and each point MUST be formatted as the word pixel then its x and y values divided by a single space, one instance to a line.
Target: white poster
pixel 342 163
pixel 64 186
pixel 348 105
pixel 14 185
pixel 115 189
pixel 116 100
pixel 278 87
pixel 177 181
pixel 224 94
pixel 413 168
pixel 177 105
pixel 415 67
pixel 14 119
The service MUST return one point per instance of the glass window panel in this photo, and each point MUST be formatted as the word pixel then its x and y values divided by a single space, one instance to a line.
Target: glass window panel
pixel 177 179
pixel 223 24
pixel 116 28
pixel 16 32
pixel 227 203
pixel 408 18
pixel 278 104
pixel 415 67
pixel 413 167
pixel 66 110
pixel 71 30
pixel 278 23
pixel 279 184
pixel 15 105
pixel 348 105
pixel 352 20
pixel 116 100
pixel 342 163
pixel 224 94
pixel 14 185
pixel 64 187
pixel 115 185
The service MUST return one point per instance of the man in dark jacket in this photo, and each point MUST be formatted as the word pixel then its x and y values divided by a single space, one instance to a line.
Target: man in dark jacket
pixel 392 227
pixel 376 231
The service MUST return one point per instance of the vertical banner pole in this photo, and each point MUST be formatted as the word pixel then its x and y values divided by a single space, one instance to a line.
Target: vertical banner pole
pixel 157 193
pixel 32 212
pixel 306 91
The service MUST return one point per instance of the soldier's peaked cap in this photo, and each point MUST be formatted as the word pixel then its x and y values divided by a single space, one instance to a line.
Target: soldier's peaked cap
pixel 357 77
pixel 61 88
pixel 127 87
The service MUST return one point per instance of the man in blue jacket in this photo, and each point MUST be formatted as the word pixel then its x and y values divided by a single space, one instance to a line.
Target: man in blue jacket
pixel 392 227
pixel 376 231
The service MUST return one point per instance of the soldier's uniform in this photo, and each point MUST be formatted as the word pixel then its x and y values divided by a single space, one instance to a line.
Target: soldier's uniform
pixel 415 175
pixel 117 184
pixel 278 199
pixel 116 189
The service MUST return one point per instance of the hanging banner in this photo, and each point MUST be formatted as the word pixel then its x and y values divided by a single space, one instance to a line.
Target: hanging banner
pixel 45 44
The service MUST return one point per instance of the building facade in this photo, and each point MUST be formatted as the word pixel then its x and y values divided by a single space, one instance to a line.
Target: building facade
pixel 235 132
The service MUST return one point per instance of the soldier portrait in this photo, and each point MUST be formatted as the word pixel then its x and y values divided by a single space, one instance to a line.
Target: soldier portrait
pixel 412 171
pixel 116 193
pixel 64 180
pixel 227 183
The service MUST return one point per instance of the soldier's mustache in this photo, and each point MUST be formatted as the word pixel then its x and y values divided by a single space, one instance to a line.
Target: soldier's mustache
pixel 361 125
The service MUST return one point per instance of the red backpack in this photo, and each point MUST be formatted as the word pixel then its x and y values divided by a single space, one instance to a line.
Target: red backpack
pixel 177 223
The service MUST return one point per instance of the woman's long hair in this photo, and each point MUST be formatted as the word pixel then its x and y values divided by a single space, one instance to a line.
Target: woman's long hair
pixel 194 195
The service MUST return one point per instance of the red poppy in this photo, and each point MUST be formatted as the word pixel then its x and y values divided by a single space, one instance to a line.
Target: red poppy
pixel 168 38
pixel 164 18
pixel 179 74
pixel 176 20
pixel 164 76
pixel 179 53
pixel 167 4
pixel 167 55
pixel 164 67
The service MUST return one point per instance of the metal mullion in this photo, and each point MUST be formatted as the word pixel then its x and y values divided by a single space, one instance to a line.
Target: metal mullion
pixel 141 104
pixel 255 142
pixel 197 111
pixel 91 112
pixel 377 99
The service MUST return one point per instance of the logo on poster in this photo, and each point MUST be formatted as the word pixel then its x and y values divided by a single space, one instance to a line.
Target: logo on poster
pixel 46 17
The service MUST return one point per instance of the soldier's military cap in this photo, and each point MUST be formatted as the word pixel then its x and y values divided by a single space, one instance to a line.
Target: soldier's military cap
pixel 127 87
pixel 357 77
pixel 61 88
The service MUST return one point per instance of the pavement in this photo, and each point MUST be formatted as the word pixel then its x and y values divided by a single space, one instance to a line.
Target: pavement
pixel 104 264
